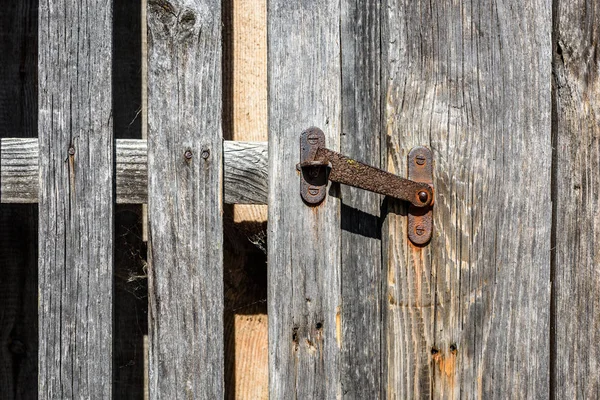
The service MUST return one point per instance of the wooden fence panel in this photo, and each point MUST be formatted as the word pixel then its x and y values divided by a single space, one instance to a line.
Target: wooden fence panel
pixel 304 288
pixel 576 185
pixel 75 200
pixel 468 316
pixel 360 319
pixel 185 193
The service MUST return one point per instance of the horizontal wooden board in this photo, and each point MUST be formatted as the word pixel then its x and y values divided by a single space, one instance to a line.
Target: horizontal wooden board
pixel 245 163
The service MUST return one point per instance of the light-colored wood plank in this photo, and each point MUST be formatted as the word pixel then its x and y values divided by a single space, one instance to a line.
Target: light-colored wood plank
pixel 75 200
pixel 304 298
pixel 185 196
pixel 576 185
pixel 468 315
pixel 360 317
pixel 245 171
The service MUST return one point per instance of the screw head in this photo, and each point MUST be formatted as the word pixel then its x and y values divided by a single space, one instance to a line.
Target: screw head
pixel 314 190
pixel 312 138
pixel 423 196
pixel 420 159
pixel 205 154
pixel 419 230
pixel 188 154
pixel 72 150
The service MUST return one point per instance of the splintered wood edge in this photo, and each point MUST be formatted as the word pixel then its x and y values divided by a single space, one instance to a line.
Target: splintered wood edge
pixel 245 171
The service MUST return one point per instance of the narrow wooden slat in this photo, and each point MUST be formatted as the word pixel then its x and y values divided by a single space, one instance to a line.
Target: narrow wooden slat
pixel 75 200
pixel 468 316
pixel 246 180
pixel 185 200
pixel 131 171
pixel 360 319
pixel 19 170
pixel 576 237
pixel 245 171
pixel 304 288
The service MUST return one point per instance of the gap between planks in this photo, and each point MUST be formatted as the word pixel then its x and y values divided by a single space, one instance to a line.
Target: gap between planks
pixel 245 171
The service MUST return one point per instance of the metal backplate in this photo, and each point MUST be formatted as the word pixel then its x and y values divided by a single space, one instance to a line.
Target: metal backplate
pixel 313 179
pixel 420 219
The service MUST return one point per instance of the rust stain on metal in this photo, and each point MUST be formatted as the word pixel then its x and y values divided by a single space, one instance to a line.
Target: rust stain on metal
pixel 420 219
pixel 313 175
pixel 319 164
pixel 354 173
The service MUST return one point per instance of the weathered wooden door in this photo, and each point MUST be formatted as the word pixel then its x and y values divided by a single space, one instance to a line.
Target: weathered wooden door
pixel 356 310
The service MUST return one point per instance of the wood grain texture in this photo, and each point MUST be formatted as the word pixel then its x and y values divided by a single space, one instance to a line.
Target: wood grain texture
pixel 19 170
pixel 131 171
pixel 246 180
pixel 185 200
pixel 75 200
pixel 245 171
pixel 468 316
pixel 360 318
pixel 304 297
pixel 576 266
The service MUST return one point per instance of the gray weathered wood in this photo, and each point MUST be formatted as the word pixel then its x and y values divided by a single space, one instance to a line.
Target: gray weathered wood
pixel 468 316
pixel 245 171
pixel 576 183
pixel 361 234
pixel 19 170
pixel 304 288
pixel 185 200
pixel 131 171
pixel 75 200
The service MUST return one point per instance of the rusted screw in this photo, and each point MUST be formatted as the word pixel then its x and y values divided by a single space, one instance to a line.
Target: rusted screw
pixel 313 190
pixel 420 230
pixel 312 138
pixel 314 172
pixel 188 154
pixel 72 150
pixel 205 154
pixel 423 196
pixel 420 159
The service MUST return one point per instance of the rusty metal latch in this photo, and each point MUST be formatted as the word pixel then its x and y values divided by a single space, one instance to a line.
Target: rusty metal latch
pixel 318 164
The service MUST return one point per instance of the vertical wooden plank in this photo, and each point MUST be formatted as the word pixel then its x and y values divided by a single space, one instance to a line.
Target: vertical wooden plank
pixel 360 317
pixel 75 199
pixel 468 316
pixel 576 184
pixel 18 223
pixel 185 199
pixel 303 242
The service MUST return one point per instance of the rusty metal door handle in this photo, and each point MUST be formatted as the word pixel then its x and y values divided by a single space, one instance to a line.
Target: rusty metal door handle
pixel 318 164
